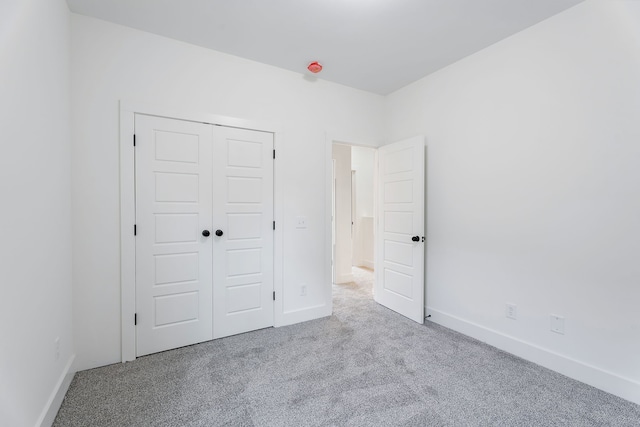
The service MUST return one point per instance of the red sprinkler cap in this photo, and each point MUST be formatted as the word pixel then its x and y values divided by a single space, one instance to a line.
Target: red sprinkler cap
pixel 314 67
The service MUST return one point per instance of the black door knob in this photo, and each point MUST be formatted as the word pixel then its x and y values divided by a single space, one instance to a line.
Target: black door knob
pixel 206 233
pixel 219 233
pixel 416 238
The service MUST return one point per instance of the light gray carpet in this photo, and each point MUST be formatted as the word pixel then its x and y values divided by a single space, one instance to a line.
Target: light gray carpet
pixel 363 366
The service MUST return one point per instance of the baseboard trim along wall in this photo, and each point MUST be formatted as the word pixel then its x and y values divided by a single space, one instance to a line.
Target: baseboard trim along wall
pixel 367 263
pixel 611 383
pixel 305 314
pixel 344 278
pixel 52 406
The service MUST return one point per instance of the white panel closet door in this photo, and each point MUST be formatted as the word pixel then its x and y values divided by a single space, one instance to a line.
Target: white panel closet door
pixel 243 213
pixel 400 248
pixel 173 257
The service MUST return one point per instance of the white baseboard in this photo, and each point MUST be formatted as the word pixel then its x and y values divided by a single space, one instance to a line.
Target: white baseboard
pixel 367 263
pixel 625 388
pixel 344 278
pixel 57 395
pixel 305 314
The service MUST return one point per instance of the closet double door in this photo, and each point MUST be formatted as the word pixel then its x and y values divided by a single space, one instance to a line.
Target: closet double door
pixel 204 235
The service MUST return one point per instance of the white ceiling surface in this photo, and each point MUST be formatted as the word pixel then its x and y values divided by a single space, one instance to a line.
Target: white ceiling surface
pixel 375 45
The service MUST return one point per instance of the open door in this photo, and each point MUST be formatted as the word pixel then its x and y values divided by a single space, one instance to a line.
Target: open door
pixel 400 229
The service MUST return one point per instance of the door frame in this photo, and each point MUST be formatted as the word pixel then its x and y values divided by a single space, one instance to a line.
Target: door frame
pixel 128 212
pixel 333 219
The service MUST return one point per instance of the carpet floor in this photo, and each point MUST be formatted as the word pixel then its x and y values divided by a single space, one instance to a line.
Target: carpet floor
pixel 363 366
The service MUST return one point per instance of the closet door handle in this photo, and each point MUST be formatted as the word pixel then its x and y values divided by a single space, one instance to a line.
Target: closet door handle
pixel 206 233
pixel 416 238
pixel 219 233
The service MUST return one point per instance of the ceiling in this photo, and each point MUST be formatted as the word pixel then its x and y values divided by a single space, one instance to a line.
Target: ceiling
pixel 374 45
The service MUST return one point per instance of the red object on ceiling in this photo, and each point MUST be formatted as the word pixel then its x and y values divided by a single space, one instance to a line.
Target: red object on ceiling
pixel 314 67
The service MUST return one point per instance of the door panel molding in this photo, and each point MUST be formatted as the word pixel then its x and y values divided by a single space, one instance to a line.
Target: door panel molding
pixel 128 110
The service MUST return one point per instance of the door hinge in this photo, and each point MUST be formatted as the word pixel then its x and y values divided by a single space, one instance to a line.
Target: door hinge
pixel 274 295
pixel 134 139
pixel 135 230
pixel 135 319
pixel 274 154
pixel 274 225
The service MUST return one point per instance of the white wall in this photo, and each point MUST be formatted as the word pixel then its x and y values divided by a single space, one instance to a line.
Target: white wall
pixel 343 250
pixel 362 161
pixel 111 62
pixel 35 219
pixel 533 191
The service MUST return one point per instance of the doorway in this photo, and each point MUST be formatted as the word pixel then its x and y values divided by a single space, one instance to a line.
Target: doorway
pixel 353 208
pixel 398 221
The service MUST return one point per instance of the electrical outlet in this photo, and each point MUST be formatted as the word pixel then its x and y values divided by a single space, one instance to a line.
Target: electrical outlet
pixel 303 290
pixel 557 324
pixel 301 222
pixel 511 311
pixel 56 348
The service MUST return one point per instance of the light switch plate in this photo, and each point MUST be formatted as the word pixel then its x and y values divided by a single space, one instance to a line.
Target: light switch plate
pixel 511 311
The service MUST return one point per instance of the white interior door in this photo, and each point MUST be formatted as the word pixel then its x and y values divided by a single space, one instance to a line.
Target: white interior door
pixel 401 223
pixel 173 257
pixel 243 241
